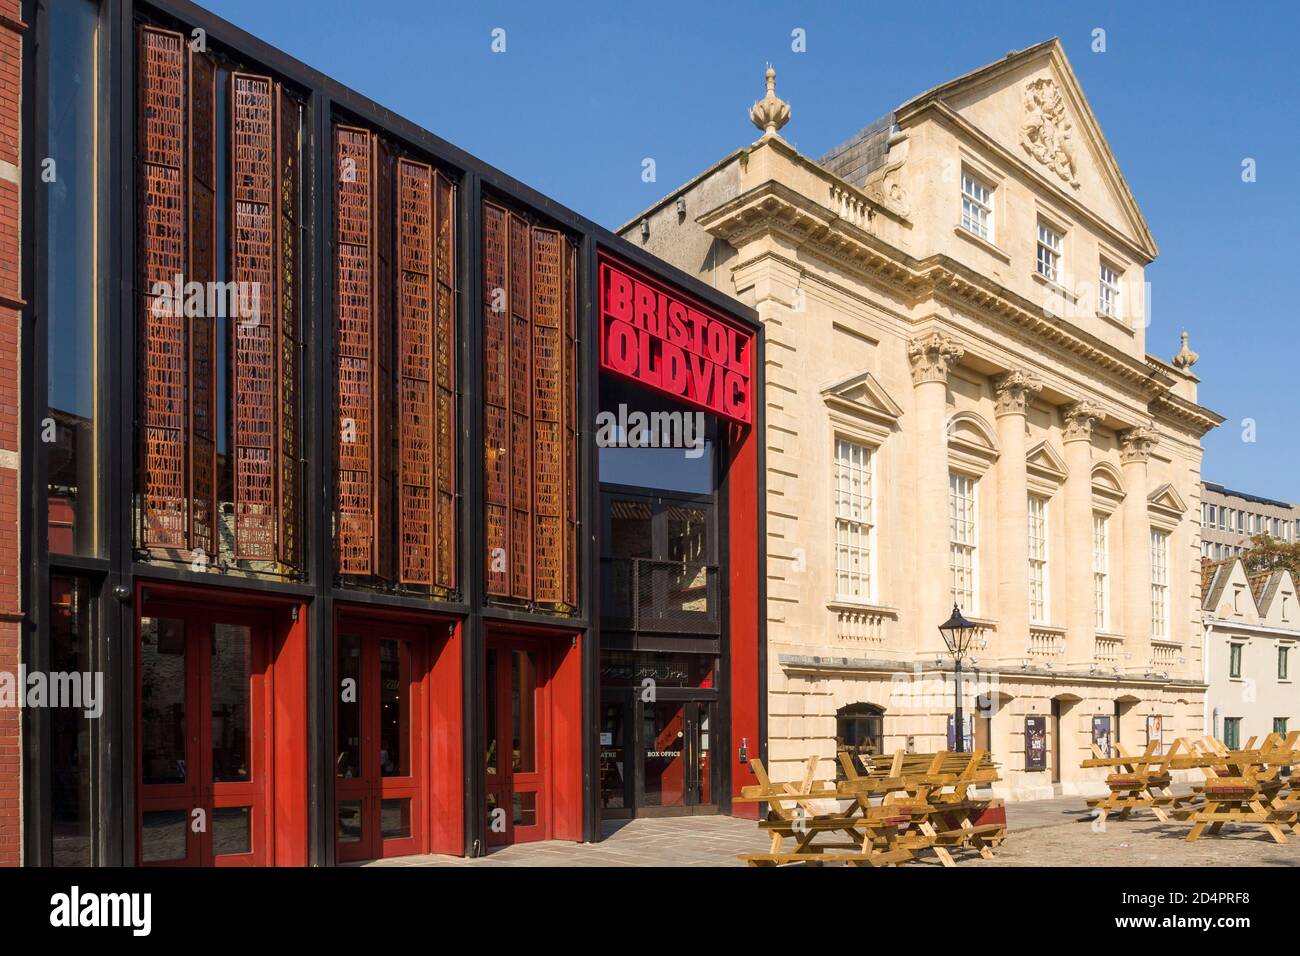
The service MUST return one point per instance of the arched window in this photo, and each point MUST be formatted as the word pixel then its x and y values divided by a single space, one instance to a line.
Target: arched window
pixel 859 732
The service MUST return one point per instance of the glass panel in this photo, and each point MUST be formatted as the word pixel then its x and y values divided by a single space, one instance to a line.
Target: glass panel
pixel 347 731
pixel 394 708
pixel 163 834
pixel 703 770
pixel 349 821
pixel 630 537
pixel 613 753
pixel 523 685
pixel 395 818
pixel 493 749
pixel 232 830
pixel 664 764
pixel 162 700
pixel 688 549
pixel 633 668
pixel 232 675
pixel 70 729
pixel 72 218
pixel 525 806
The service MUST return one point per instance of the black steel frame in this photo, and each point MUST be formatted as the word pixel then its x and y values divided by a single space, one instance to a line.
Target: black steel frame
pixel 118 568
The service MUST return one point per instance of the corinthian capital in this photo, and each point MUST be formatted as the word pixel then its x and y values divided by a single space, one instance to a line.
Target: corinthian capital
pixel 932 356
pixel 1014 391
pixel 1135 444
pixel 1079 418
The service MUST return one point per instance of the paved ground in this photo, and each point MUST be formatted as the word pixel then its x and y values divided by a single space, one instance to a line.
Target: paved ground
pixel 1042 833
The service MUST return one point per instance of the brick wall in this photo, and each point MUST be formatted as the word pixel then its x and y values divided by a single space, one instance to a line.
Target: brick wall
pixel 10 328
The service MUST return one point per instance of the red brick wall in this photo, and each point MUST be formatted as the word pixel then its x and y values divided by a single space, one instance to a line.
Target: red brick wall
pixel 11 293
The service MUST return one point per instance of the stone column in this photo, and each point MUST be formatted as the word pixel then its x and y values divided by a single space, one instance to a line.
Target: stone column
pixel 1135 446
pixel 932 355
pixel 1014 391
pixel 1077 578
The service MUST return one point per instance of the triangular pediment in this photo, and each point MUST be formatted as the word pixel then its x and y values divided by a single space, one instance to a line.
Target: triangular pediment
pixel 863 395
pixel 1167 499
pixel 1277 602
pixel 1044 461
pixel 1031 105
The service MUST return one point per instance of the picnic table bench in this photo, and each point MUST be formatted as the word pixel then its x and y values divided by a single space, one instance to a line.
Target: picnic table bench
pixel 1138 781
pixel 1243 787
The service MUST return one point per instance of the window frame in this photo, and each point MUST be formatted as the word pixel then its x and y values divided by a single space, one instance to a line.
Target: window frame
pixel 864 526
pixel 1235 655
pixel 1160 611
pixel 985 205
pixel 968 545
pixel 1109 291
pixel 1101 571
pixel 1039 556
pixel 1056 276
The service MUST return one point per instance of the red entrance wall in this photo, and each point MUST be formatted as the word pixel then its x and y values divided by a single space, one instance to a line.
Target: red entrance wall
pixel 564 722
pixel 743 571
pixel 287 680
pixel 444 820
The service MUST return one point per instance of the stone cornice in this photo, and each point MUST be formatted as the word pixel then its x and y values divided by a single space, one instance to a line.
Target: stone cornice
pixel 1196 418
pixel 773 207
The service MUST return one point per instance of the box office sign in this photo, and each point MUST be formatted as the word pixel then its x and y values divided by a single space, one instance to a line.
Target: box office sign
pixel 1035 743
pixel 656 335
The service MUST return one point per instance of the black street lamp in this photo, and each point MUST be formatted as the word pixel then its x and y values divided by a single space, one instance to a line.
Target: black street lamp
pixel 957 634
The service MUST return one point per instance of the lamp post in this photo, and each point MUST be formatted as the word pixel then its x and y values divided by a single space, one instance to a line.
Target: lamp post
pixel 957 635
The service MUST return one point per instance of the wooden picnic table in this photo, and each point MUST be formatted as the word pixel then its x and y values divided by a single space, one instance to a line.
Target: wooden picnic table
pixel 1138 781
pixel 889 820
pixel 1243 787
pixel 865 839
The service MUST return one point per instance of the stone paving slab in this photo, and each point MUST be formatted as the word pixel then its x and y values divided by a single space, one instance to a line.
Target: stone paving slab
pixel 1055 832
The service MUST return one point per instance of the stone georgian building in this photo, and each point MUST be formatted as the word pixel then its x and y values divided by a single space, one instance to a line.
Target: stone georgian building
pixel 960 405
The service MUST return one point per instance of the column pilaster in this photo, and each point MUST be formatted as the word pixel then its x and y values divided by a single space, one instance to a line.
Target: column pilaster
pixel 1135 452
pixel 1014 391
pixel 1079 620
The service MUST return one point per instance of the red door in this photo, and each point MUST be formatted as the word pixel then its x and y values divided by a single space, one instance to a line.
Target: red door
pixel 518 791
pixel 203 697
pixel 379 738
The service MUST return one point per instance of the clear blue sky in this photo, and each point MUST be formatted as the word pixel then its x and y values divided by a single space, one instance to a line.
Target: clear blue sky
pixel 584 92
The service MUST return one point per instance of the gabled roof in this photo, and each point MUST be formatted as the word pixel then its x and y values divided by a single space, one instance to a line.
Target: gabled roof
pixel 1073 92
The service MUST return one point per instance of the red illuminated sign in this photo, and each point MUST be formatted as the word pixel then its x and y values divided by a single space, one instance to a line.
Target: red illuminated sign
pixel 657 336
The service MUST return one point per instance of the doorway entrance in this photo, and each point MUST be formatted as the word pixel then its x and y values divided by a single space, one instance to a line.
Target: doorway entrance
pixel 517 711
pixel 379 730
pixel 203 751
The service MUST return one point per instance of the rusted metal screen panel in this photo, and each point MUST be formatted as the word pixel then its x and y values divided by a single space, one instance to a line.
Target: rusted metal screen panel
pixel 496 399
pixel 202 238
pixel 444 290
pixel 354 345
pixel 569 319
pixel 289 477
pixel 385 459
pixel 162 133
pixel 254 360
pixel 548 403
pixel 415 352
pixel 519 267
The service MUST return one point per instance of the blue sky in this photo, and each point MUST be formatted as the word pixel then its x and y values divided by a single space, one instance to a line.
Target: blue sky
pixel 584 92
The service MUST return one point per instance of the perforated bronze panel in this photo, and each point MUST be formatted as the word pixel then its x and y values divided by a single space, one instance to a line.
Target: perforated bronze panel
pixel 289 479
pixel 548 415
pixel 385 438
pixel 529 410
pixel 415 370
pixel 496 400
pixel 162 137
pixel 521 432
pixel 444 363
pixel 354 349
pixel 203 330
pixel 255 357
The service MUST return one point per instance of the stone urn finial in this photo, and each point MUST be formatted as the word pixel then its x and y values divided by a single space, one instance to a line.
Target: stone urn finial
pixel 770 113
pixel 1185 358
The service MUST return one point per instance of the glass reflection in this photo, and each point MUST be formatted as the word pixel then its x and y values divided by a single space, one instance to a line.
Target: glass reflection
pixel 232 674
pixel 162 700
pixel 347 666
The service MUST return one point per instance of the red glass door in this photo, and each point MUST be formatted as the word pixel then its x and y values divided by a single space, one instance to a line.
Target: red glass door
pixel 202 753
pixel 518 804
pixel 379 738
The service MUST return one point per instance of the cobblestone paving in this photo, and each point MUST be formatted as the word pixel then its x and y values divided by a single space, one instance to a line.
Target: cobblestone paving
pixel 1042 833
